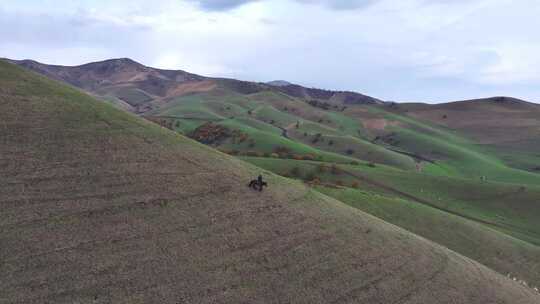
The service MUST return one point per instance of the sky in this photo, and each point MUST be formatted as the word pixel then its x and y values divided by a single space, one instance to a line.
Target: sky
pixel 396 50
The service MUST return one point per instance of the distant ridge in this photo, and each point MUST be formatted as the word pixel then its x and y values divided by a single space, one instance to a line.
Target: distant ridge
pixel 140 88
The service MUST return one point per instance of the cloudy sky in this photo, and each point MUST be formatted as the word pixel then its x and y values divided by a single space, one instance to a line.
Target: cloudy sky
pixel 402 50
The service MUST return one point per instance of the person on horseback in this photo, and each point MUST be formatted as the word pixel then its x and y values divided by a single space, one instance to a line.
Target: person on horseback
pixel 258 184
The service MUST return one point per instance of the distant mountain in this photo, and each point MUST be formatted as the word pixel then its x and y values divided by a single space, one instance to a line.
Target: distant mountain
pixel 505 126
pixel 139 88
pixel 92 76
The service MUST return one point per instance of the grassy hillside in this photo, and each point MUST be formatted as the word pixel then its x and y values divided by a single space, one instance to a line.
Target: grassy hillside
pixel 493 138
pixel 274 120
pixel 507 207
pixel 483 243
pixel 378 134
pixel 100 206
pixel 506 127
pixel 411 159
pixel 494 223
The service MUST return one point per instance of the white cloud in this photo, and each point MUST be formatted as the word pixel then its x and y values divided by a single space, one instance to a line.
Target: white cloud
pixel 222 5
pixel 517 64
pixel 400 50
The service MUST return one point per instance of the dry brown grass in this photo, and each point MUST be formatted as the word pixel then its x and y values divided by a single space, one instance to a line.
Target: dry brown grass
pixel 487 121
pixel 191 87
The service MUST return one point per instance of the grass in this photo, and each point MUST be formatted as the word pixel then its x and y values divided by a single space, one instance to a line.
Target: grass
pixel 509 208
pixel 457 156
pixel 513 208
pixel 460 165
pixel 132 96
pixel 102 206
pixel 446 202
pixel 264 116
pixel 267 142
pixel 479 242
pixel 269 113
pixel 358 148
pixel 458 213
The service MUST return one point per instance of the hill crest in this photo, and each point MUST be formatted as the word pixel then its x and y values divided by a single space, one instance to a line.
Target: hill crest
pixel 131 82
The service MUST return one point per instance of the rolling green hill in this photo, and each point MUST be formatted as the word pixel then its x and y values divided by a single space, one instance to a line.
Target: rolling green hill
pixel 494 223
pixel 101 206
pixel 449 183
pixel 491 139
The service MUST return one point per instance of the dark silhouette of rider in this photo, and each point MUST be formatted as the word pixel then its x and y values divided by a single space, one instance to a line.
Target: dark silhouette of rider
pixel 258 183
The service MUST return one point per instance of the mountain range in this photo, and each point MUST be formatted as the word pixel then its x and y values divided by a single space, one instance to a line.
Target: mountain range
pixel 140 88
pixel 109 196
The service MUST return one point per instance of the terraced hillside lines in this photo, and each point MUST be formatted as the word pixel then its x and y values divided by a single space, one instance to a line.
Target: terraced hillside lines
pixel 279 115
pixel 456 155
pixel 503 126
pixel 496 224
pixel 486 120
pixel 358 148
pixel 99 206
pixel 470 238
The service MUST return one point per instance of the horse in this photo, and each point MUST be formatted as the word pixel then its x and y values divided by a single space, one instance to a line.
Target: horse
pixel 257 185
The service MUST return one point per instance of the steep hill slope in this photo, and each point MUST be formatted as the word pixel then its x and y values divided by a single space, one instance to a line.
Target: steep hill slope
pixel 494 223
pixel 99 206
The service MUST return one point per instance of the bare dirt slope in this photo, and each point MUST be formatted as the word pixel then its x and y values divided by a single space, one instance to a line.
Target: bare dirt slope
pixel 98 206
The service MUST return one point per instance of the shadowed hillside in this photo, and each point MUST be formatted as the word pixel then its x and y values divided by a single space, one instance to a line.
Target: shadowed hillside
pixel 99 206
